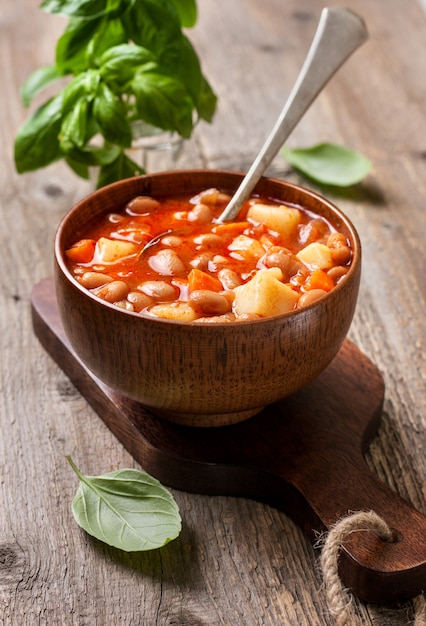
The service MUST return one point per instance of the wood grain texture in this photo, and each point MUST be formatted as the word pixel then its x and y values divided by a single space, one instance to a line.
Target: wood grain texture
pixel 237 561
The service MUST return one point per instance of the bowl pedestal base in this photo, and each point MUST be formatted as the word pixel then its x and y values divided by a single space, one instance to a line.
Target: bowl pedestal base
pixel 206 419
pixel 303 455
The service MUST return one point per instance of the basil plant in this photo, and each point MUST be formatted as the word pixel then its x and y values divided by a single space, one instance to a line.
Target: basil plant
pixel 126 61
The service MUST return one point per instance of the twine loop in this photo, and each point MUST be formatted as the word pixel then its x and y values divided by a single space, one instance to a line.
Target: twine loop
pixel 339 599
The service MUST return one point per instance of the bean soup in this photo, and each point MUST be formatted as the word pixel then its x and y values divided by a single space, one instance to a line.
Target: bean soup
pixel 172 258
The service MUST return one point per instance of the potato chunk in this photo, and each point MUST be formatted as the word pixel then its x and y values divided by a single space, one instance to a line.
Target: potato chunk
pixel 316 256
pixel 112 250
pixel 249 248
pixel 281 219
pixel 265 295
pixel 180 311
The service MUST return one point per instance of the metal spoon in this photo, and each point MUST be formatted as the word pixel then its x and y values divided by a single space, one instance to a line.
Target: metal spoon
pixel 340 32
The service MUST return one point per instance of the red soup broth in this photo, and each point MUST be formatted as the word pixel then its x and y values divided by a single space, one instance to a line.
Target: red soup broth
pixel 172 258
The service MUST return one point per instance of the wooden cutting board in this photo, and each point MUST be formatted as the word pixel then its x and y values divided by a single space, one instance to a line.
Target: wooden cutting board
pixel 303 455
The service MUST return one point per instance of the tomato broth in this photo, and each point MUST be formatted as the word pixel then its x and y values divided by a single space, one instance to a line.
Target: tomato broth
pixel 171 258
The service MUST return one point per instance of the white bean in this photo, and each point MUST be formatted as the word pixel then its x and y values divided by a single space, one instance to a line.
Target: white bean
pixel 158 289
pixel 208 240
pixel 285 260
pixel 172 241
pixel 202 261
pixel 200 213
pixel 142 204
pixel 340 251
pixel 310 296
pixel 113 292
pixel 337 272
pixel 229 278
pixel 124 304
pixel 206 302
pixel 167 262
pixel 92 280
pixel 139 300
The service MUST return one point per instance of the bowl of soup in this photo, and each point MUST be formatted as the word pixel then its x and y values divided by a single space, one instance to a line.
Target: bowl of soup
pixel 205 322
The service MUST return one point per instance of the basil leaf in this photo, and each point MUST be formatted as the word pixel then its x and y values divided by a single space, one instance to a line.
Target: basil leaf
pixel 122 167
pixel 36 143
pixel 163 101
pixel 78 168
pixel 207 102
pixel 127 509
pixel 329 164
pixel 93 156
pixel 187 10
pixel 189 73
pixel 71 47
pixel 74 126
pixel 111 115
pixel 38 80
pixel 119 63
pixel 80 8
pixel 155 25
pixel 84 85
pixel 109 34
pixel 187 68
pixel 129 60
pixel 87 9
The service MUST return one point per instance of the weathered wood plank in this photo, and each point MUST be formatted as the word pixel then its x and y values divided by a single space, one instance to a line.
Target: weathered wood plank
pixel 237 561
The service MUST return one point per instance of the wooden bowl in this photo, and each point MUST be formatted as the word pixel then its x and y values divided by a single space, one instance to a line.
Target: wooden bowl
pixel 192 373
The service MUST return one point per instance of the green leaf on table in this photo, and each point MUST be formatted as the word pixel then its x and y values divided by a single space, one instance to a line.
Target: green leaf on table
pixel 329 164
pixel 38 80
pixel 127 509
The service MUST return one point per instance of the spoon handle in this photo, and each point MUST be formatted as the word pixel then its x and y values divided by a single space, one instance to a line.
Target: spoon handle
pixel 340 32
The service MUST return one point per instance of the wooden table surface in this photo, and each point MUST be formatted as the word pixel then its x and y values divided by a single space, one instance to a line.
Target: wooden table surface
pixel 236 562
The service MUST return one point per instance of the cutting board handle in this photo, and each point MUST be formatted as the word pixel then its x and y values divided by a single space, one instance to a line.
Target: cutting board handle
pixel 368 563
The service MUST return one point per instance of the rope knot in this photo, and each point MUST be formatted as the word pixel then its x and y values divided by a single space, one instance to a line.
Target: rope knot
pixel 338 598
